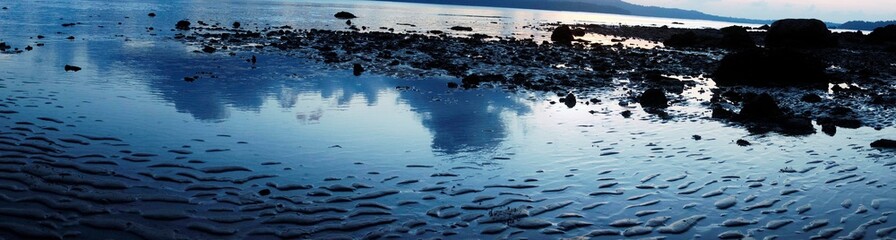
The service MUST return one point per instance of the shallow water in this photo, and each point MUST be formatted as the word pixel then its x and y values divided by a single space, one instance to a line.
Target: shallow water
pixel 287 121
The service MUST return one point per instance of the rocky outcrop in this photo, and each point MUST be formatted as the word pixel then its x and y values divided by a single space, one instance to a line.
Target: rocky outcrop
pixel 182 25
pixel 883 34
pixel 736 37
pixel 653 98
pixel 563 35
pixel 799 33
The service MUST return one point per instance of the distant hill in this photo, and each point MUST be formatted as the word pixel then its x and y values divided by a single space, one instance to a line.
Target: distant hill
pixel 863 25
pixel 598 6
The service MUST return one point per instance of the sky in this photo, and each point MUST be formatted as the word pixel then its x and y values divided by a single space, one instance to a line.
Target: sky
pixel 827 10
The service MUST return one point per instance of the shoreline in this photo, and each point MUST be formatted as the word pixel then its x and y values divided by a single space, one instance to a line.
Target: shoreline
pixel 587 70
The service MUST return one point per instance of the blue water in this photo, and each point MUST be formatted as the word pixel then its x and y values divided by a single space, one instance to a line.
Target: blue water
pixel 321 122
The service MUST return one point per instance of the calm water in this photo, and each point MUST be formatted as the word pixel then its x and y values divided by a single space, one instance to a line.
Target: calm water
pixel 325 126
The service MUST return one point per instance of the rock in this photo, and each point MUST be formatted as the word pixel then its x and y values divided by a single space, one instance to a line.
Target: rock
pixel 811 98
pixel 578 32
pixel 345 15
pixel 473 81
pixel 653 97
pixel 884 143
pixel 770 68
pixel 152 14
pixel 722 113
pixel 885 34
pixel 357 69
pixel 799 33
pixel 796 126
pixel 4 47
pixel 626 113
pixel 208 49
pixel 182 25
pixel 760 108
pixel 236 24
pixel 264 192
pixel 569 100
pixel 829 128
pixel 189 79
pixel 563 35
pixel 452 85
pixel 72 68
pixel 743 143
pixel 688 39
pixel 736 37
pixel 462 28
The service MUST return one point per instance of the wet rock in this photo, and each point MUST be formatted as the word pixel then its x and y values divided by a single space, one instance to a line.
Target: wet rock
pixel 760 108
pixel 775 224
pixel 770 68
pixel 884 143
pixel 357 69
pixel 731 235
pixel 72 68
pixel 736 37
pixel 690 39
pixel 4 47
pixel 182 25
pixel 473 81
pixel 799 33
pixel 345 15
pixel 569 100
pixel 531 223
pixel 655 98
pixel 743 143
pixel 236 24
pixel 151 14
pixel 562 35
pixel 452 85
pixel 209 49
pixel 462 28
pixel 682 225
pixel 637 231
pixel 627 222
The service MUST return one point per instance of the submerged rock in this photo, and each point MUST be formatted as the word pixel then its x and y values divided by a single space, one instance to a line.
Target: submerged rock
pixel 563 35
pixel 799 33
pixel 345 15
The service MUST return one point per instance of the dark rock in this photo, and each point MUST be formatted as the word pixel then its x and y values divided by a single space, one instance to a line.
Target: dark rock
pixel 357 69
pixel 70 38
pixel 182 25
pixel 743 143
pixel 829 128
pixel 29 48
pixel 4 47
pixel 764 27
pixel 473 81
pixel 760 108
pixel 208 49
pixel 563 35
pixel 799 33
pixel 811 98
pixel 236 24
pixel 696 137
pixel 653 97
pixel 689 39
pixel 796 126
pixel 189 79
pixel 345 15
pixel 626 114
pixel 72 68
pixel 578 32
pixel 569 100
pixel 736 37
pixel 884 143
pixel 152 14
pixel 722 113
pixel 348 22
pixel 883 34
pixel 770 68
pixel 452 85
pixel 462 28
pixel 264 192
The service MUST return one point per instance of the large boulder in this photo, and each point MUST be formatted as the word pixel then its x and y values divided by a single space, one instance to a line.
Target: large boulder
pixel 884 143
pixel 884 34
pixel 799 33
pixel 770 68
pixel 736 37
pixel 562 34
pixel 345 15
pixel 653 98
